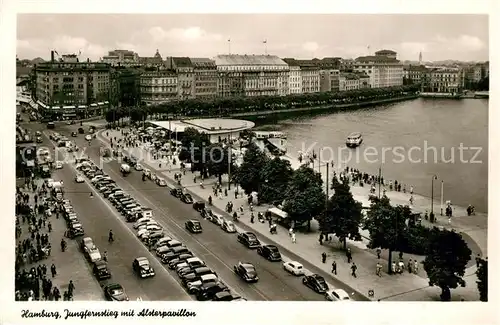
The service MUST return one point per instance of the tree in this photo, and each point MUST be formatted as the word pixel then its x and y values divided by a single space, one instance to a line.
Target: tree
pixel 304 198
pixel 482 279
pixel 193 144
pixel 446 261
pixel 248 174
pixel 386 225
pixel 217 160
pixel 275 177
pixel 343 214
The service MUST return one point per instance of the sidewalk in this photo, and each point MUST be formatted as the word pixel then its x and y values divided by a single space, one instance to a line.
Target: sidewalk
pixel 70 265
pixel 388 287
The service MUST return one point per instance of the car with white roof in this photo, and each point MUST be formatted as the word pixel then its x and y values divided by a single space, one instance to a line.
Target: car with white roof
pixel 294 268
pixel 337 295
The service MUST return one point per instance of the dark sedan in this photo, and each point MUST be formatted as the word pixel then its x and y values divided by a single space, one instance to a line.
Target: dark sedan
pixel 249 239
pixel 199 205
pixel 115 292
pixel 177 192
pixel 246 271
pixel 187 198
pixel 209 290
pixel 315 282
pixel 194 226
pixel 269 252
pixel 101 271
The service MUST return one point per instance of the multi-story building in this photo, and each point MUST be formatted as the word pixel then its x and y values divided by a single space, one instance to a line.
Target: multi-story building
pixel 486 69
pixel 294 79
pixel 415 74
pixel 309 74
pixel 348 81
pixel 205 77
pixel 68 90
pixel 251 75
pixel 444 80
pixel 125 87
pixel 121 58
pixel 185 75
pixel 329 80
pixel 152 61
pixel 328 63
pixel 383 68
pixel 158 87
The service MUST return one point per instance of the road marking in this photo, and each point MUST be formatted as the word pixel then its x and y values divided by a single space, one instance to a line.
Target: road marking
pixel 119 217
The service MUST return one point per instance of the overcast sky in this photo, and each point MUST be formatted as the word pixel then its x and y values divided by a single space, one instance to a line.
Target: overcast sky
pixel 439 37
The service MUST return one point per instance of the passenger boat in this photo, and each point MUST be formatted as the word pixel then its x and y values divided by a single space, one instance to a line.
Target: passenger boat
pixel 354 140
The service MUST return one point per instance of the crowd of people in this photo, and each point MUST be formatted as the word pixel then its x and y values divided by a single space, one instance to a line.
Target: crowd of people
pixel 34 209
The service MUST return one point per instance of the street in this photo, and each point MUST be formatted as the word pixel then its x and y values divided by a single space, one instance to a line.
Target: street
pixel 98 217
pixel 211 245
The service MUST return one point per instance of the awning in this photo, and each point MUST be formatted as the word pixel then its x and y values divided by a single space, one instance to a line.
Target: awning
pixel 106 102
pixel 278 213
pixel 93 105
pixel 82 106
pixel 69 107
pixel 100 103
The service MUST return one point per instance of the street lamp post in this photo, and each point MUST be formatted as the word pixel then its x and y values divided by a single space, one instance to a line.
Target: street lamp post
pixel 432 194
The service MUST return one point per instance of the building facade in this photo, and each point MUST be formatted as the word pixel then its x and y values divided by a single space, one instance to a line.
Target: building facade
pixel 185 75
pixel 158 87
pixel 69 90
pixel 384 69
pixel 445 80
pixel 205 78
pixel 251 75
pixel 329 80
pixel 124 58
pixel 416 74
pixel 294 79
pixel 309 74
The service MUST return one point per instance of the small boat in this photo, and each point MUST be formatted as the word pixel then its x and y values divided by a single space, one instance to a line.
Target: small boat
pixel 354 140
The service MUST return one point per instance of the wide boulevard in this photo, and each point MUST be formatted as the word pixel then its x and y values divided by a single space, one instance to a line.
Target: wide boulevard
pixel 218 249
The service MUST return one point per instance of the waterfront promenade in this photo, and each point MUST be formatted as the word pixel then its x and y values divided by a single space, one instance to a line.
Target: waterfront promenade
pixel 404 287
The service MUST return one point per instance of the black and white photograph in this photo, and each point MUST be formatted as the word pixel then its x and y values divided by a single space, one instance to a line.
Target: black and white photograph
pixel 185 158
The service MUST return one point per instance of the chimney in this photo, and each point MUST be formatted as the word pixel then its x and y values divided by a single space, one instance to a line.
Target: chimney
pixel 88 60
pixel 52 56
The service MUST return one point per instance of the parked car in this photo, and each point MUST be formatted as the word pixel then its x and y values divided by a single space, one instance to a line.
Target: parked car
pixel 228 226
pixel 315 282
pixel 208 290
pixel 115 292
pixel 199 206
pixel 187 198
pixel 194 226
pixel 79 179
pixel 177 192
pixel 100 270
pixel 249 239
pixel 269 252
pixel 142 267
pixel 337 295
pixel 226 296
pixel 206 213
pixel 294 268
pixel 74 134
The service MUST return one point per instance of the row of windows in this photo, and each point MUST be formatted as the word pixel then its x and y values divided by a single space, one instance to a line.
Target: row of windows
pixel 252 68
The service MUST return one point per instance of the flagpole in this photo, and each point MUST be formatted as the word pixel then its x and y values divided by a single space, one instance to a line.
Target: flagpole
pixel 265 46
pixel 229 45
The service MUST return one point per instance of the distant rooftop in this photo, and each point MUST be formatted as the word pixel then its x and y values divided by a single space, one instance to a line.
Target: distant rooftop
pixel 237 59
pixel 377 59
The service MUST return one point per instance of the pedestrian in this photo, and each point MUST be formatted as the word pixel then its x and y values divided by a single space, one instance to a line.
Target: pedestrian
pixel 49 226
pixel 379 269
pixel 105 256
pixel 411 190
pixel 353 269
pixel 410 265
pixel 290 231
pixel 294 240
pixel 71 288
pixel 415 267
pixel 478 260
pixel 252 218
pixel 379 251
pixel 53 270
pixel 323 257
pixel 334 267
pixel 393 267
pixel 349 255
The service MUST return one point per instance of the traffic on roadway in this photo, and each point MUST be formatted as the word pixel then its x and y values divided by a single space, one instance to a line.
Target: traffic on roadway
pixel 227 256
